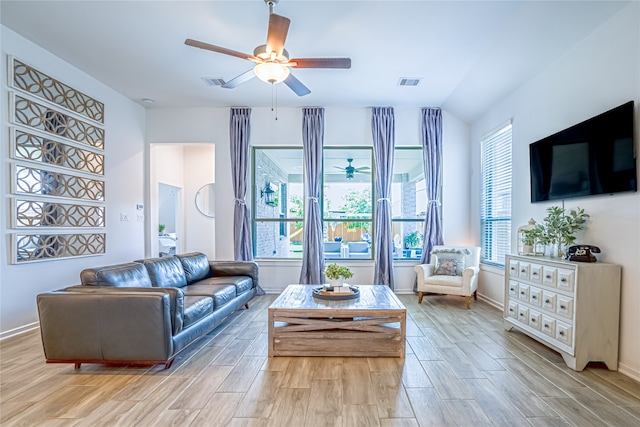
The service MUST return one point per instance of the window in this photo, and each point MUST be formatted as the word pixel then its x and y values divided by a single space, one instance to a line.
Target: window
pixel 277 202
pixel 408 203
pixel 348 202
pixel 347 208
pixel 495 196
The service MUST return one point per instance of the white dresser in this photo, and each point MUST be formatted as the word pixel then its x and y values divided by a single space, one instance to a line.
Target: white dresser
pixel 572 307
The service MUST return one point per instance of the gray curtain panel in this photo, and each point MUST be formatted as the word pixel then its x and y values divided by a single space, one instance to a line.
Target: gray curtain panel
pixel 239 133
pixel 432 160
pixel 383 131
pixel 312 246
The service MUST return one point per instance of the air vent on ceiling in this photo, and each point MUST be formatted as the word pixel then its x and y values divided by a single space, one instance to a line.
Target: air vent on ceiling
pixel 212 81
pixel 409 81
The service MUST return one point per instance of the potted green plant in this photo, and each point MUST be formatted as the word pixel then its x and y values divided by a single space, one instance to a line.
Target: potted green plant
pixel 561 226
pixel 336 274
pixel 161 228
pixel 413 239
pixel 529 238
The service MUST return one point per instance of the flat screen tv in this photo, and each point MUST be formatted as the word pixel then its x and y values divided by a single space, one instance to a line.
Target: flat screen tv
pixel 593 157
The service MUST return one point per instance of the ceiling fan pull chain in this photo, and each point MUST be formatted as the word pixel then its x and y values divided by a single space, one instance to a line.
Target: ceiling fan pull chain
pixel 276 89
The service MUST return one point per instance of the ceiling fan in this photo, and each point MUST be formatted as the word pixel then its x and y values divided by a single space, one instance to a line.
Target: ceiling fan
pixel 351 170
pixel 272 59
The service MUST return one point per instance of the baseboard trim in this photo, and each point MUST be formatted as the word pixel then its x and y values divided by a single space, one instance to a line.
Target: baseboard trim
pixel 628 371
pixel 20 330
pixel 491 302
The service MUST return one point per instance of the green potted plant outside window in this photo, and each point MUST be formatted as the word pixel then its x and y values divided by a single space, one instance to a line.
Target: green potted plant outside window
pixel 413 239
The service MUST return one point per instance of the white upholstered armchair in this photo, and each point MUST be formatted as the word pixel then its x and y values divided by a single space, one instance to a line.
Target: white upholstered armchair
pixel 453 270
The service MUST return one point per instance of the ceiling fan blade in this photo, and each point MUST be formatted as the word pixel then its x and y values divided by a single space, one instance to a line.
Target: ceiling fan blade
pixel 362 169
pixel 296 85
pixel 242 78
pixel 321 62
pixel 223 50
pixel 277 33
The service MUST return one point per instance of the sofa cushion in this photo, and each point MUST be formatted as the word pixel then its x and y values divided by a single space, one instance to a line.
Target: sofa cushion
pixel 196 266
pixel 165 272
pixel 196 308
pixel 129 275
pixel 242 283
pixel 221 294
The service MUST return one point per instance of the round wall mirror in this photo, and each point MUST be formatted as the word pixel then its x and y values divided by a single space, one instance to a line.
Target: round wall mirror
pixel 205 200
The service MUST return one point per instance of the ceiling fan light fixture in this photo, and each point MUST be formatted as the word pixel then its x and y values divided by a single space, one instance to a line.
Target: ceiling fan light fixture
pixel 350 170
pixel 271 72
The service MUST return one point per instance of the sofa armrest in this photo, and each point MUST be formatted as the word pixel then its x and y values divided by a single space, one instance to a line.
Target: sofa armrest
pixel 176 299
pixel 235 268
pixel 105 326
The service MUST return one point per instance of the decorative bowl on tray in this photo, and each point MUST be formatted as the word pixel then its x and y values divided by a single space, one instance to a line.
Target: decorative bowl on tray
pixel 336 294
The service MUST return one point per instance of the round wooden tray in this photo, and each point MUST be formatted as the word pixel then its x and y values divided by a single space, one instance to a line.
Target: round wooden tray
pixel 319 295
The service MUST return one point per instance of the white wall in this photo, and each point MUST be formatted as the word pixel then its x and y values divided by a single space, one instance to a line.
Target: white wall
pixel 124 172
pixel 343 126
pixel 601 72
pixel 199 230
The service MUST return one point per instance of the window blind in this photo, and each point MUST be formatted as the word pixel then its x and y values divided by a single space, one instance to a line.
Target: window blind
pixel 495 196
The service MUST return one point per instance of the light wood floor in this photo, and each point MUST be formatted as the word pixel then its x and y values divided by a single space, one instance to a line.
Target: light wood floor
pixel 461 369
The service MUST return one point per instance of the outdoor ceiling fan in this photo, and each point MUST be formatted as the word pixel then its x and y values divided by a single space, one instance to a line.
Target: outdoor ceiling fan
pixel 351 170
pixel 272 59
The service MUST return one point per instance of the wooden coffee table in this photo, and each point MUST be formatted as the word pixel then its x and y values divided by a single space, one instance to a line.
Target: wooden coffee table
pixel 374 325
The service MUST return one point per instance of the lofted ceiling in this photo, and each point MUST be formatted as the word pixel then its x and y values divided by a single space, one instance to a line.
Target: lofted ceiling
pixel 469 54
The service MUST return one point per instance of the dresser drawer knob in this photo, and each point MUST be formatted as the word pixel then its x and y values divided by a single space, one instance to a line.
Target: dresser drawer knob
pixel 546 326
pixel 547 276
pixel 562 333
pixel 547 301
pixel 534 297
pixel 535 273
pixel 523 270
pixel 563 306
pixel 564 279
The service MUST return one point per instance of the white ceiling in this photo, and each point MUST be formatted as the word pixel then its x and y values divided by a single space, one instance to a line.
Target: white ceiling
pixel 469 54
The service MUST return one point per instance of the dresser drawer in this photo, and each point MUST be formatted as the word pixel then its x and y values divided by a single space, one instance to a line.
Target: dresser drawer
pixel 566 279
pixel 564 306
pixel 549 300
pixel 523 270
pixel 523 314
pixel 549 275
pixel 548 325
pixel 535 319
pixel 513 268
pixel 513 310
pixel 535 273
pixel 513 289
pixel 564 333
pixel 535 296
pixel 523 292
